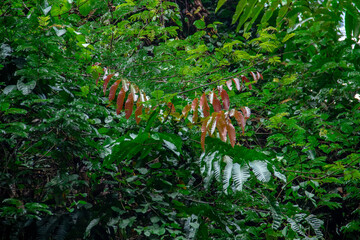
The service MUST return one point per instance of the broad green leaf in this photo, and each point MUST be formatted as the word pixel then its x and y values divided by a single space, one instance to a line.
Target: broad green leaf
pixel 219 5
pixel 60 7
pixel 85 6
pixel 199 24
pixel 239 8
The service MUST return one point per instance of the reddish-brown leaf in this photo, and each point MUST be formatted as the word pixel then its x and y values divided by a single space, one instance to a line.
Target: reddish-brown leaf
pixel 113 89
pixel 247 112
pixel 231 133
pixel 194 104
pixel 97 80
pixel 120 101
pixel 221 125
pixel 129 106
pixel 225 98
pixel 194 107
pixel 171 107
pixel 203 133
pixel 240 119
pixel 237 83
pixel 254 76
pixel 259 75
pixel 216 103
pixel 246 80
pixel 138 112
pixel 106 81
pixel 204 105
pixel 125 85
pixel 228 84
pixel 186 110
pixel 212 123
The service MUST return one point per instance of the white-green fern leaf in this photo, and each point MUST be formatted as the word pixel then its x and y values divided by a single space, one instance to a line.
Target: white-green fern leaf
pixel 208 160
pixel 227 172
pixel 296 226
pixel 316 224
pixel 279 175
pixel 260 170
pixel 240 175
pixel 217 170
pixel 276 218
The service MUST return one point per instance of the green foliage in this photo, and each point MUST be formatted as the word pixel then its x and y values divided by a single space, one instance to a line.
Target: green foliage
pixel 74 168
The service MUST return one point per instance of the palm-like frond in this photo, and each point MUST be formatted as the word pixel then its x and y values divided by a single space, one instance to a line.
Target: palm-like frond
pixel 217 170
pixel 260 170
pixel 240 175
pixel 316 224
pixel 227 172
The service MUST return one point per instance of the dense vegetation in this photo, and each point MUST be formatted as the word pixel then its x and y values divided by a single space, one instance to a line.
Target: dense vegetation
pixel 156 119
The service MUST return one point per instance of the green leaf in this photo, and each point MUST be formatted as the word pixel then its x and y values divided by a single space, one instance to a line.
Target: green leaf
pixel 85 6
pixel 8 89
pixel 199 24
pixel 219 5
pixel 157 94
pixel 287 37
pixel 92 224
pixel 16 111
pixel 60 7
pixel 239 8
pixel 155 165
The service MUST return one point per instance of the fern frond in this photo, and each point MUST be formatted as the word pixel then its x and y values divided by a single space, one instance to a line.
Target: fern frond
pixel 227 172
pixel 260 170
pixel 240 175
pixel 217 170
pixel 316 224
pixel 208 165
pixel 296 226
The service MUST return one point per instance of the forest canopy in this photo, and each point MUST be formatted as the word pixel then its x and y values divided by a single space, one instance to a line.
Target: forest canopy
pixel 179 119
